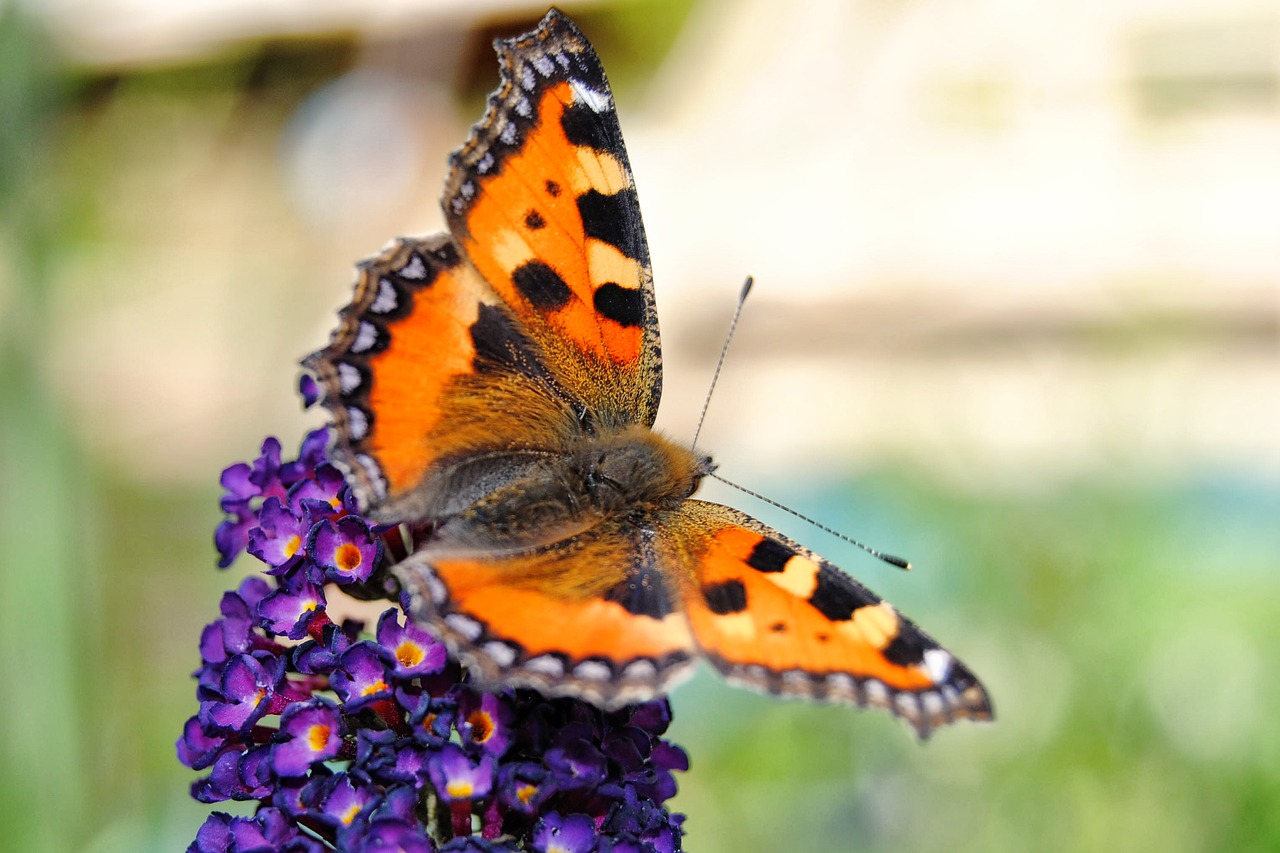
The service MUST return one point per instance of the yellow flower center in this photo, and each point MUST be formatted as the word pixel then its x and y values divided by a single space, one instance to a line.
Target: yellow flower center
pixel 317 737
pixel 347 557
pixel 409 654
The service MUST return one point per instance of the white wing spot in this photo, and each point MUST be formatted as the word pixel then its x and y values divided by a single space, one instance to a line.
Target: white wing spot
pixel 937 663
pixel 877 693
pixel 796 682
pixel 464 625
pixel 592 670
pixel 372 471
pixel 415 269
pixel 501 653
pixel 597 102
pixel 485 164
pixel 545 665
pixel 357 424
pixel 509 134
pixel 348 377
pixel 436 587
pixel 544 65
pixel 640 670
pixel 527 80
pixel 842 684
pixel 523 108
pixel 387 298
pixel 366 337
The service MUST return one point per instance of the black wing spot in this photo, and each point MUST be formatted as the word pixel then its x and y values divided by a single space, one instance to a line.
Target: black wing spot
pixel 726 597
pixel 908 648
pixel 769 556
pixel 542 286
pixel 643 593
pixel 778 627
pixel 586 128
pixel 498 343
pixel 622 305
pixel 614 219
pixel 553 189
pixel 533 220
pixel 836 598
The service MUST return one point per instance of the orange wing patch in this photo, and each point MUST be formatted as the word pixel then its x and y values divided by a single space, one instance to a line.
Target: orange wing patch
pixel 774 616
pixel 512 625
pixel 404 337
pixel 542 200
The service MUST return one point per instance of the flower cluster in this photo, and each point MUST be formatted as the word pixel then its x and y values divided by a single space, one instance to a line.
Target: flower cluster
pixel 358 740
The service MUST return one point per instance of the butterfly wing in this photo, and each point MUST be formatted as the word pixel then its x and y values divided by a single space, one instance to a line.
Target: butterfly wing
pixel 772 615
pixel 542 201
pixel 426 368
pixel 591 616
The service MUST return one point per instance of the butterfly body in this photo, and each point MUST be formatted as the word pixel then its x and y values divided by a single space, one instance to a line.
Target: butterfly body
pixel 496 388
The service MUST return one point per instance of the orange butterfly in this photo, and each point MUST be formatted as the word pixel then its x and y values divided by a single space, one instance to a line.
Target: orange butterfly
pixel 496 387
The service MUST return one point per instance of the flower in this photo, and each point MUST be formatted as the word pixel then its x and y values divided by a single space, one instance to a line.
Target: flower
pixel 573 834
pixel 361 739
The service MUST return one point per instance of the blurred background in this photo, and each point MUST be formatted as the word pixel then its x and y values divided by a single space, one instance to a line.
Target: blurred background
pixel 1016 317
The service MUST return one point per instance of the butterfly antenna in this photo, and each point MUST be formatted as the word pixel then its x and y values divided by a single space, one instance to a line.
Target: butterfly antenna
pixel 879 555
pixel 724 351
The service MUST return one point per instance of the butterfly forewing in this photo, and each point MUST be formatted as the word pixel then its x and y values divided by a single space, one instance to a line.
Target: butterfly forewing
pixel 542 199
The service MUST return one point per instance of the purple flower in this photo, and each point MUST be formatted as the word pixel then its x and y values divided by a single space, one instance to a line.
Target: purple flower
pixel 414 650
pixel 309 733
pixel 308 390
pixel 524 787
pixel 430 718
pixel 361 737
pixel 393 835
pixel 577 762
pixel 277 540
pixel 293 607
pixel 344 802
pixel 456 779
pixel 346 549
pixel 575 833
pixel 323 496
pixel 484 721
pixel 361 676
pixel 248 684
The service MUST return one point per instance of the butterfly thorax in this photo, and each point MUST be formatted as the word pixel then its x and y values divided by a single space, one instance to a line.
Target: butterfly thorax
pixel 635 467
pixel 547 497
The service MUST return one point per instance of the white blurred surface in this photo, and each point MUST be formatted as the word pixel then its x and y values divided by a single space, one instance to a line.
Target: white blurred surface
pixel 1002 241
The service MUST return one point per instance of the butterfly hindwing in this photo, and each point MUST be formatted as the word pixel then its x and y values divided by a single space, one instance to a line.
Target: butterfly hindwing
pixel 542 200
pixel 588 616
pixel 772 615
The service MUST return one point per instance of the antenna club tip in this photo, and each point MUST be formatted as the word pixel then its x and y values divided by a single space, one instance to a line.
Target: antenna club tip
pixel 896 561
pixel 746 288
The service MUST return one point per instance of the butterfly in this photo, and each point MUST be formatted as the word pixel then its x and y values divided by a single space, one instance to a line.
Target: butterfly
pixel 495 388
